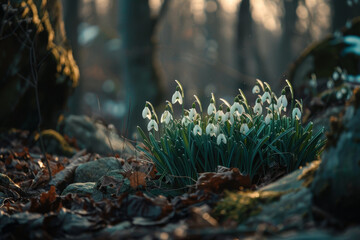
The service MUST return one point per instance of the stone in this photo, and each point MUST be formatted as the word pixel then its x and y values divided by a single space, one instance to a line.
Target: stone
pixel 84 189
pixel 278 203
pixel 95 137
pixel 336 186
pixel 94 170
pixel 113 182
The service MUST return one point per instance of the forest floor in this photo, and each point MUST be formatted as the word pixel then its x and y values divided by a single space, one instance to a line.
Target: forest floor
pixel 96 197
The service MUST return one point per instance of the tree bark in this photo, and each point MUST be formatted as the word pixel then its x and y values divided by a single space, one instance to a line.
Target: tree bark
pixel 140 71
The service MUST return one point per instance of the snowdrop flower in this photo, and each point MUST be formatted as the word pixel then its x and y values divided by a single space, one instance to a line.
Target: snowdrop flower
pixel 176 97
pixel 166 117
pixel 192 113
pixel 197 130
pixel 153 125
pixel 211 129
pixel 185 121
pixel 335 75
pixel 266 97
pixel 146 113
pixel 268 117
pixel 258 107
pixel 225 116
pixel 211 109
pixel 296 113
pixel 256 89
pixel 237 107
pixel 282 102
pixel 221 139
pixel 330 83
pixel 234 117
pixel 244 128
pixel 219 115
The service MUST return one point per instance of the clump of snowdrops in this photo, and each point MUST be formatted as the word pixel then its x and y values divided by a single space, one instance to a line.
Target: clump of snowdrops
pixel 259 138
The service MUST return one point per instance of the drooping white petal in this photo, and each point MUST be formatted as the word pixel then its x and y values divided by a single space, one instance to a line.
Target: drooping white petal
pixel 211 109
pixel 219 116
pixel 153 125
pixel 192 114
pixel 258 108
pixel 211 129
pixel 166 117
pixel 146 113
pixel 268 118
pixel 237 107
pixel 225 117
pixel 221 139
pixel 244 128
pixel 176 97
pixel 256 89
pixel 185 121
pixel 296 113
pixel 266 97
pixel 197 130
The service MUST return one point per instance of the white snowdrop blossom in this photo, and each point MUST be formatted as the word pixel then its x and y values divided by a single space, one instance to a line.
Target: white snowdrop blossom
pixel 296 113
pixel 211 109
pixel 335 75
pixel 256 89
pixel 268 118
pixel 234 117
pixel 282 103
pixel 176 97
pixel 274 108
pixel 225 117
pixel 266 97
pixel 166 117
pixel 237 107
pixel 146 113
pixel 185 121
pixel 244 129
pixel 197 130
pixel 221 139
pixel 192 114
pixel 152 125
pixel 258 108
pixel 211 129
pixel 219 115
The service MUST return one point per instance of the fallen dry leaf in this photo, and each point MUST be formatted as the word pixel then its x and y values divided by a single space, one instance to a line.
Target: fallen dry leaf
pixel 224 178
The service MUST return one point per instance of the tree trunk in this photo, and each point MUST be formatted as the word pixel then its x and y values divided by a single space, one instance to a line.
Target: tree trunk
pixel 140 72
pixel 72 20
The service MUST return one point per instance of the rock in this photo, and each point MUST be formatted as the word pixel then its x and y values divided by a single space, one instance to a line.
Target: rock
pixel 113 182
pixel 54 70
pixel 336 186
pixel 94 136
pixel 93 171
pixel 84 189
pixel 277 204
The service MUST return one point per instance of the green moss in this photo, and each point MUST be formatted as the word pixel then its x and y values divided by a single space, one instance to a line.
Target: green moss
pixel 239 206
pixel 308 174
pixel 55 143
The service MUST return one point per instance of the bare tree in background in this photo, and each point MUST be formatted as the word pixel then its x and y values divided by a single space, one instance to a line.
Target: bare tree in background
pixel 247 44
pixel 288 33
pixel 71 21
pixel 140 71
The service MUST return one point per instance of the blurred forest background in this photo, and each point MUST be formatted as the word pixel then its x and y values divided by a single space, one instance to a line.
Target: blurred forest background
pixel 130 51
